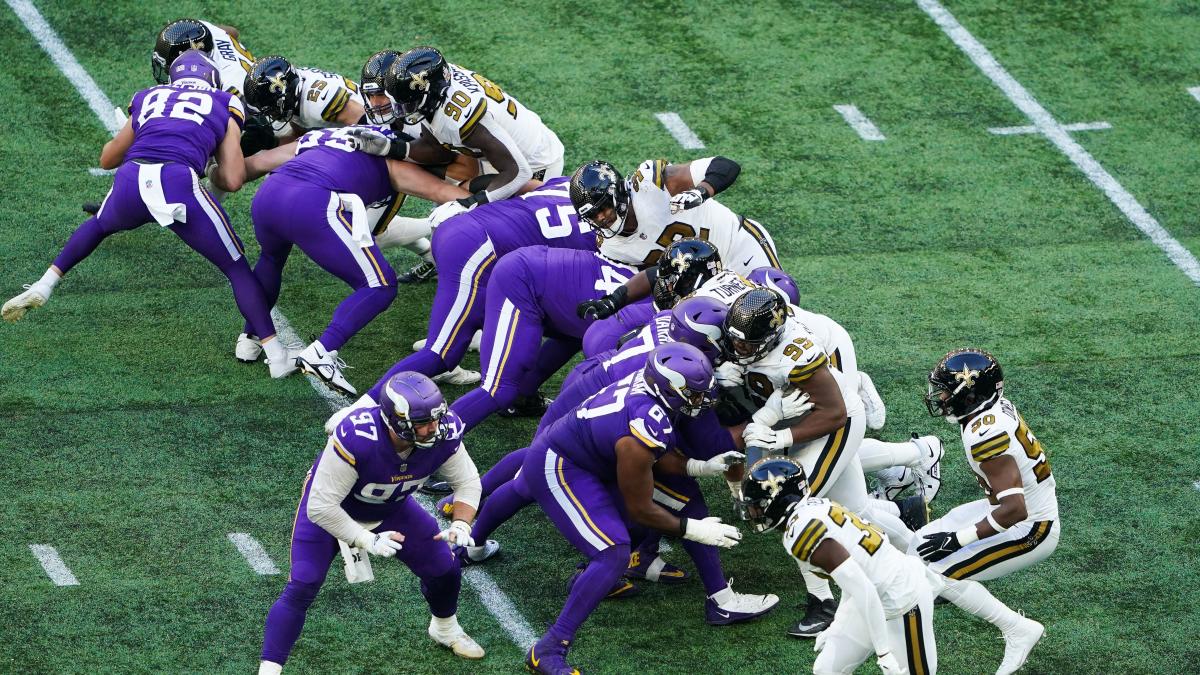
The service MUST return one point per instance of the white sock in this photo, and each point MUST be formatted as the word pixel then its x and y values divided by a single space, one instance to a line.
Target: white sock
pixel 875 454
pixel 274 350
pixel 817 586
pixel 46 284
pixel 269 668
pixel 723 596
pixel 404 231
pixel 877 512
pixel 974 599
pixel 445 626
pixel 422 247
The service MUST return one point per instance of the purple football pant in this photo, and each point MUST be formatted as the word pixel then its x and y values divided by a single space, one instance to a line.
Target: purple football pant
pixel 289 212
pixel 589 513
pixel 207 231
pixel 313 550
pixel 585 379
pixel 465 257
pixel 681 495
pixel 604 334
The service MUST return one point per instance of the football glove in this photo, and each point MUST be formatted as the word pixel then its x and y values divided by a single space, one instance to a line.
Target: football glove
pixel 458 534
pixel 605 307
pixel 730 375
pixel 711 531
pixel 739 502
pixel 889 665
pixel 715 466
pixel 941 544
pixel 444 212
pixel 380 543
pixel 762 436
pixel 376 143
pixel 780 407
pixel 688 200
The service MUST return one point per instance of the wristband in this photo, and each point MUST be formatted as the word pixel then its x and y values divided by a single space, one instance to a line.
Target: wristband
pixel 398 150
pixel 967 535
pixel 620 296
pixel 695 467
pixel 995 526
pixel 683 527
pixel 477 198
pixel 1009 492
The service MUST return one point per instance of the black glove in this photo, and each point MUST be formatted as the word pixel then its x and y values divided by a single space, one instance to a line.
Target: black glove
pixel 939 545
pixel 604 307
pixel 257 135
pixel 480 197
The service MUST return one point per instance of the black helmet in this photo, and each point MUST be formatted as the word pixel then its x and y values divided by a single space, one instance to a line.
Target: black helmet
pixel 174 39
pixel 273 87
pixel 417 81
pixel 772 484
pixel 970 379
pixel 596 186
pixel 682 269
pixel 754 325
pixel 371 84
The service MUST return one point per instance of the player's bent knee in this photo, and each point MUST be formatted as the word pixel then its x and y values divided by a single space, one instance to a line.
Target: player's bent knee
pixel 300 594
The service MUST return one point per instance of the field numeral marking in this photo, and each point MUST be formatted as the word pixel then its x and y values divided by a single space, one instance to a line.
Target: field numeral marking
pixel 55 568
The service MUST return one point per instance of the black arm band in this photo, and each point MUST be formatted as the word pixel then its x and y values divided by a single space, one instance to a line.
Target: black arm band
pixel 399 150
pixel 652 275
pixel 480 197
pixel 721 173
pixel 682 527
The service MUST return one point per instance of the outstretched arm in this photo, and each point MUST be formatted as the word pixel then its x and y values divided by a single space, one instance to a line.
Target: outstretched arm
pixel 114 151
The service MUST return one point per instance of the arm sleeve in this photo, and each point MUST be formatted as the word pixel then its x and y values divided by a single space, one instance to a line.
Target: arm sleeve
pixel 719 172
pixel 497 192
pixel 330 485
pixel 854 583
pixel 463 477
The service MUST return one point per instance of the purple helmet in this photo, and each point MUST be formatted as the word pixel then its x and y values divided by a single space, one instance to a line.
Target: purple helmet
pixel 697 321
pixel 195 67
pixel 409 399
pixel 681 377
pixel 776 280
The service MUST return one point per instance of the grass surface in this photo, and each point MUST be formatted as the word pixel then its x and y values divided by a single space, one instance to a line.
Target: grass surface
pixel 134 443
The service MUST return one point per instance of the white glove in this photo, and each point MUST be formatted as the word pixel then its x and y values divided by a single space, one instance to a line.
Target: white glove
pixel 445 212
pixel 889 665
pixel 687 200
pixel 711 531
pixel 369 141
pixel 715 466
pixel 772 411
pixel 795 404
pixel 819 644
pixel 730 374
pixel 760 436
pixel 458 534
pixel 383 544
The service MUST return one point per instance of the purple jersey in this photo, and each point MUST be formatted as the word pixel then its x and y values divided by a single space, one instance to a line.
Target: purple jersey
pixel 181 123
pixel 588 436
pixel 631 357
pixel 326 158
pixel 385 479
pixel 561 279
pixel 543 217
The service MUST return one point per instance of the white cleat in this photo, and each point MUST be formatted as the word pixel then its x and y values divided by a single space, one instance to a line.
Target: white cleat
pixel 459 375
pixel 419 344
pixel 478 554
pixel 872 403
pixel 892 481
pixel 457 641
pixel 929 475
pixel 1018 644
pixel 248 348
pixel 15 308
pixel 364 401
pixel 326 366
pixel 285 366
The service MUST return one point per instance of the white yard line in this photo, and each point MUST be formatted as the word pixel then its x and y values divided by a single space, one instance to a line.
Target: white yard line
pixel 1061 139
pixel 865 129
pixel 254 553
pixel 55 568
pixel 97 171
pixel 492 597
pixel 1078 126
pixel 1195 92
pixel 1196 485
pixel 680 130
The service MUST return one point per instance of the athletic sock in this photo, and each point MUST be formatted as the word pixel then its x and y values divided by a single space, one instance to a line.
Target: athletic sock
pixel 876 455
pixel 974 599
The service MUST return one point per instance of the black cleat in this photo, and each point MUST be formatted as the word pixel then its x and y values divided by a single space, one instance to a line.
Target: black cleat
pixel 436 487
pixel 91 208
pixel 421 272
pixel 818 615
pixel 534 405
pixel 914 511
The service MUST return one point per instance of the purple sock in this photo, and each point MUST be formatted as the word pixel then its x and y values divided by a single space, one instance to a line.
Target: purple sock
pixel 708 565
pixel 286 619
pixel 503 471
pixel 474 406
pixel 80 245
pixel 354 312
pixel 423 361
pixel 248 294
pixel 503 504
pixel 589 589
pixel 442 592
pixel 269 272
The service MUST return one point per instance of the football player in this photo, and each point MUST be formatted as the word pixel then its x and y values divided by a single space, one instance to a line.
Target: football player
pixel 357 493
pixel 607 452
pixel 172 132
pixel 317 201
pixel 887 597
pixel 297 100
pixel 637 218
pixel 1016 524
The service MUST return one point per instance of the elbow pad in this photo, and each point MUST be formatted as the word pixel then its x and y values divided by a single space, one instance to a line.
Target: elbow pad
pixel 722 172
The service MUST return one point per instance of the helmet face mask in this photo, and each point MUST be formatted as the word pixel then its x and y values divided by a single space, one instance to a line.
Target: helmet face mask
pixel 174 39
pixel 417 81
pixel 273 88
pixel 683 268
pixel 754 326
pixel 681 378
pixel 600 197
pixel 380 108
pixel 771 486
pixel 964 382
pixel 412 403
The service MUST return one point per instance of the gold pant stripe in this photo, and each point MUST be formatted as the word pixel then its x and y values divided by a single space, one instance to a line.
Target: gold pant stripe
pixel 508 343
pixel 390 212
pixel 483 266
pixel 914 637
pixel 671 493
pixel 562 480
pixel 829 457
pixel 224 221
pixel 999 553
pixel 296 520
pixel 756 231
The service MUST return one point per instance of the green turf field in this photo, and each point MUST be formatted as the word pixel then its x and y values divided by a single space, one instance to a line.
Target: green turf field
pixel 134 443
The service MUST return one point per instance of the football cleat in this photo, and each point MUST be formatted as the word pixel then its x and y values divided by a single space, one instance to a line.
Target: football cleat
pixel 549 657
pixel 457 641
pixel 621 588
pixel 914 511
pixel 1018 643
pixel 15 308
pixel 422 271
pixel 436 487
pixel 248 348
pixel 419 344
pixel 656 570
pixel 534 405
pixel 326 366
pixel 872 403
pixel 929 476
pixel 741 607
pixel 91 208
pixel 473 555
pixel 818 615
pixel 285 366
pixel 892 481
pixel 459 375
pixel 445 506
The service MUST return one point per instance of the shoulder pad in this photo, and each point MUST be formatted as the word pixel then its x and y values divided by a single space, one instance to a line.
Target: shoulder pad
pixel 649 423
pixel 341 451
pixel 805 533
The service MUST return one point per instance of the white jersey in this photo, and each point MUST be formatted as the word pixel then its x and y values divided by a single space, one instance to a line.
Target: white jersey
pixel 830 335
pixel 1000 430
pixel 897 577
pixel 736 238
pixel 725 286
pixel 323 96
pixel 233 60
pixel 473 100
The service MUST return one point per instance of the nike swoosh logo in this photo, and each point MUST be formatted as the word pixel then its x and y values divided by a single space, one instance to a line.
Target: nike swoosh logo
pixel 724 615
pixel 747 261
pixel 533 657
